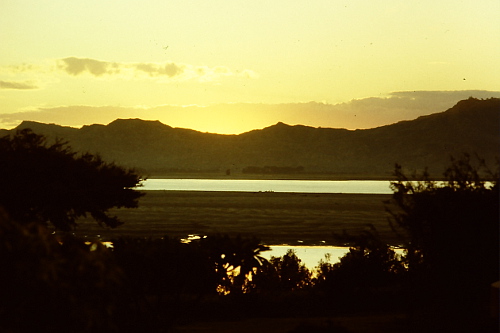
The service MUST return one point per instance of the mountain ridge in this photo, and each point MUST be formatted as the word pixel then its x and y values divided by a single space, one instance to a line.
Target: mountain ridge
pixel 471 126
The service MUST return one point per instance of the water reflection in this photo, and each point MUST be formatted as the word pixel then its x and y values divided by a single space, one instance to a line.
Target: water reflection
pixel 191 238
pixel 309 255
pixel 270 185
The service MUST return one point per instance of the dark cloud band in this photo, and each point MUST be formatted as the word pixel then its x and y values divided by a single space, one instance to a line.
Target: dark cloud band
pixel 77 66
pixel 361 113
pixel 17 85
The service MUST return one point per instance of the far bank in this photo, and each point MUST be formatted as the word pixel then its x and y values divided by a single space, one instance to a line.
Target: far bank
pixel 273 176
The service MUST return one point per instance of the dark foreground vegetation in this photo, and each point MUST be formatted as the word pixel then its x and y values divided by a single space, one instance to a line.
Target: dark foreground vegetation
pixel 59 283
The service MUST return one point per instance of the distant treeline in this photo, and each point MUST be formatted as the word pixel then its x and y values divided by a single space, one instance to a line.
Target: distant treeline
pixel 273 170
pixel 180 170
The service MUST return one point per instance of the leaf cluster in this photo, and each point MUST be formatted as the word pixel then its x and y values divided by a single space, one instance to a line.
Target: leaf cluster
pixel 452 233
pixel 58 284
pixel 49 183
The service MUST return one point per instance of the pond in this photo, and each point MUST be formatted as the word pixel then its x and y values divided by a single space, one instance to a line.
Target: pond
pixel 310 256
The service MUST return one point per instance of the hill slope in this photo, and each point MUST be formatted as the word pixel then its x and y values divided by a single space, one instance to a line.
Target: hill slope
pixel 471 126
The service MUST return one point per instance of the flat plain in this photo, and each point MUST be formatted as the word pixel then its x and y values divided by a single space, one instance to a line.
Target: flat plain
pixel 276 218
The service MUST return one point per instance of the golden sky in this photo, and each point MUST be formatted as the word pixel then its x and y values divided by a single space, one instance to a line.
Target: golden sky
pixel 231 66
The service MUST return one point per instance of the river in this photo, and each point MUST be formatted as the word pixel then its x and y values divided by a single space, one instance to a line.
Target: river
pixel 260 185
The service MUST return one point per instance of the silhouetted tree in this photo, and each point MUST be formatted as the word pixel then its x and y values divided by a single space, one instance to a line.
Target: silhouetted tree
pixel 42 182
pixel 286 273
pixel 234 259
pixel 326 327
pixel 164 279
pixel 452 229
pixel 366 277
pixel 54 284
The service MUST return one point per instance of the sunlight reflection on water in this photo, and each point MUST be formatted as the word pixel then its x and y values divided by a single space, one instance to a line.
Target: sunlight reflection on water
pixel 310 256
pixel 270 185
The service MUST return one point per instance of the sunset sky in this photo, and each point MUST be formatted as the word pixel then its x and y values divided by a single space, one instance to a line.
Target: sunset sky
pixel 232 66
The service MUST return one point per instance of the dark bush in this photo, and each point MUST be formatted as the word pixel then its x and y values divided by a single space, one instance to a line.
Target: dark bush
pixel 453 232
pixel 49 183
pixel 58 284
pixel 281 274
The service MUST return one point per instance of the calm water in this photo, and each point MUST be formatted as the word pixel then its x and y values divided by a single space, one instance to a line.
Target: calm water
pixel 258 185
pixel 309 255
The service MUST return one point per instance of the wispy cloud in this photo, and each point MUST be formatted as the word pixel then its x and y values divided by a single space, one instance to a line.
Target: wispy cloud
pixel 156 70
pixel 76 66
pixel 163 72
pixel 169 70
pixel 21 68
pixel 15 85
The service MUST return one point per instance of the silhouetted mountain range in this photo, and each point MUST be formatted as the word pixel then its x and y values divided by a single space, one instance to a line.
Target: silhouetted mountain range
pixel 471 126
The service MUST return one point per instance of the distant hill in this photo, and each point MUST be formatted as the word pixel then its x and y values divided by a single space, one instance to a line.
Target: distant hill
pixel 471 126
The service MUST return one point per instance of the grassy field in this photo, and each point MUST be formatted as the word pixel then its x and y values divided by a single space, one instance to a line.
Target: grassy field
pixel 240 175
pixel 276 218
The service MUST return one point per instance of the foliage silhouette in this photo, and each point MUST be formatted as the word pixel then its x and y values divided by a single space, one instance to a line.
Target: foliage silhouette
pixel 452 229
pixel 281 274
pixel 50 183
pixel 327 327
pixel 234 259
pixel 367 277
pixel 55 284
pixel 164 280
pixel 168 269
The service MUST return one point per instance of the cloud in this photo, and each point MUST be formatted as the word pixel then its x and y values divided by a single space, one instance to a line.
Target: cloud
pixel 169 70
pixel 76 66
pixel 76 115
pixel 156 70
pixel 249 74
pixel 440 100
pixel 160 72
pixel 17 85
pixel 237 118
pixel 402 105
pixel 22 68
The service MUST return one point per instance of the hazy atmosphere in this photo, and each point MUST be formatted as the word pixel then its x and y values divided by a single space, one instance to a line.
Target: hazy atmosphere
pixel 277 166
pixel 233 66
